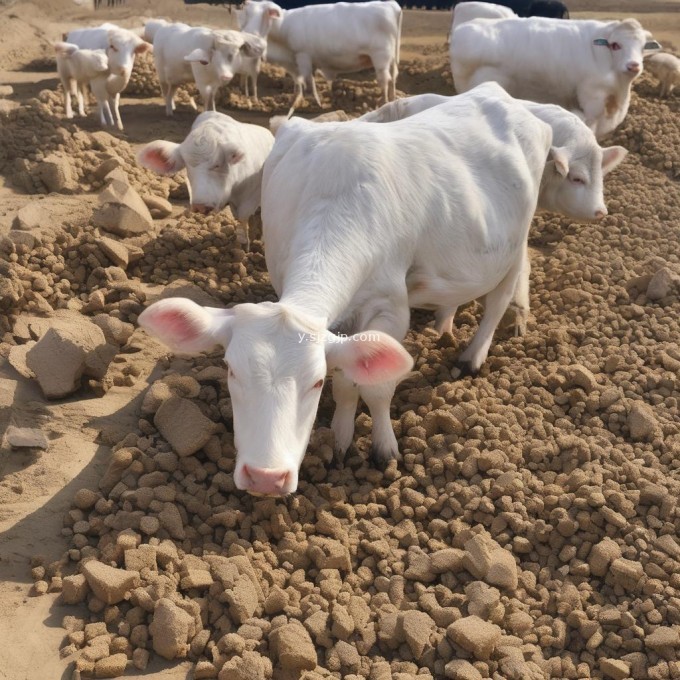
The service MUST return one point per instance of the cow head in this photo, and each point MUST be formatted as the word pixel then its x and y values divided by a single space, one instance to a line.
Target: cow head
pixel 122 47
pixel 278 358
pixel 223 55
pixel 625 40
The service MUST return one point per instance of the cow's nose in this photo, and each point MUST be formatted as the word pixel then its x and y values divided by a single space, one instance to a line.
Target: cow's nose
pixel 267 481
pixel 226 79
pixel 599 214
pixel 200 208
pixel 633 66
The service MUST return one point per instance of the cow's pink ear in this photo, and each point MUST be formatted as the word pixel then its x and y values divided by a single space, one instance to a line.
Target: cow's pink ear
pixel 368 358
pixel 273 12
pixel 235 156
pixel 143 47
pixel 186 327
pixel 561 160
pixel 611 157
pixel 161 157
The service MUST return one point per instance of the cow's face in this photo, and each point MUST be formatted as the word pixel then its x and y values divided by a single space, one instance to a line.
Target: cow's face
pixel 121 50
pixel 278 358
pixel 572 182
pixel 210 162
pixel 259 17
pixel 625 41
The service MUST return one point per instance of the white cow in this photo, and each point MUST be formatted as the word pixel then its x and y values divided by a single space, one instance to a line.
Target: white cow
pixel 120 46
pixel 583 65
pixel 666 68
pixel 467 11
pixel 223 159
pixel 572 182
pixel 337 38
pixel 210 58
pixel 151 28
pixel 363 221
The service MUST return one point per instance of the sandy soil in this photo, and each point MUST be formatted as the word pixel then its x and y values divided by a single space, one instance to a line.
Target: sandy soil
pixel 36 490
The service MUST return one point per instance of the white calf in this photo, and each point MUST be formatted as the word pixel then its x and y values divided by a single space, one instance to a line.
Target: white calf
pixel 447 197
pixel 583 65
pixel 666 68
pixel 223 159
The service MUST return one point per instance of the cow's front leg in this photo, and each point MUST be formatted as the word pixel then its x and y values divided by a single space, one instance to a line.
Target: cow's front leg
pixel 346 396
pixel 392 319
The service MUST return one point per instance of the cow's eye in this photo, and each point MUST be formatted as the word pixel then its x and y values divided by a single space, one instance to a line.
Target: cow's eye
pixel 577 180
pixel 615 46
pixel 111 47
pixel 318 384
pixel 230 373
pixel 217 168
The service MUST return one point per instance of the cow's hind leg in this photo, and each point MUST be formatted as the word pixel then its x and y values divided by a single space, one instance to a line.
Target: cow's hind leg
pixel 519 305
pixel 346 396
pixel 496 303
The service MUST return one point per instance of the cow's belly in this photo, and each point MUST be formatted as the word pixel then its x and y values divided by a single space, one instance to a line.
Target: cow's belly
pixel 349 63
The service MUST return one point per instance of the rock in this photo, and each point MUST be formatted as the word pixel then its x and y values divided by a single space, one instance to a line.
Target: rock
pixel 31 216
pixel 17 356
pixel 327 553
pixel 668 544
pixel 122 211
pixel 348 656
pixel 449 560
pixel 582 377
pixel 242 599
pixel 475 636
pixel 110 667
pixel 74 589
pixel 419 566
pixel 85 499
pixel 115 331
pixel 614 668
pixel 109 584
pixel 627 573
pixel 158 207
pixel 503 570
pixel 249 666
pixel 6 90
pixel 171 630
pixel 106 167
pixel 641 422
pixel 660 284
pixel 26 438
pixel 183 425
pixel 415 628
pixel 171 521
pixel 81 350
pixel 293 647
pixel 115 251
pixel 57 174
pixel 197 578
pixel 116 175
pixel 602 554
pixel 143 557
pixel 664 637
pixel 478 555
pixel 459 669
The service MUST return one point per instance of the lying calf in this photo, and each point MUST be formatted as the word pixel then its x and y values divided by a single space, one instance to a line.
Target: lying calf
pixel 223 159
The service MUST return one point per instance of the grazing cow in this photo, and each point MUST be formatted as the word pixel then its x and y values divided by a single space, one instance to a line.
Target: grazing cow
pixel 585 66
pixel 223 159
pixel 553 9
pixel 336 38
pixel 572 181
pixel 666 68
pixel 210 58
pixel 447 197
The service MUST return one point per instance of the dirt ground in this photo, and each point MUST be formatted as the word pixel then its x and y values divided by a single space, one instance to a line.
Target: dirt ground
pixel 541 453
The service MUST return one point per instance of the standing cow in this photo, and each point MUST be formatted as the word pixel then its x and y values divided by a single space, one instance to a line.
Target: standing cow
pixel 447 197
pixel 585 66
pixel 223 159
pixel 343 37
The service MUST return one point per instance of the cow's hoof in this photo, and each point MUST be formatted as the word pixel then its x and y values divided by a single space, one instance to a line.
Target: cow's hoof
pixel 462 369
pixel 380 459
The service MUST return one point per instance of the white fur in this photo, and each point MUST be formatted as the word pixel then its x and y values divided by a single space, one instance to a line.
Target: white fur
pixel 467 11
pixel 210 58
pixel 336 38
pixel 223 159
pixel 554 61
pixel 666 68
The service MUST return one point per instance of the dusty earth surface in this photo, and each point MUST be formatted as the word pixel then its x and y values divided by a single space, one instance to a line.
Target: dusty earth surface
pixel 532 529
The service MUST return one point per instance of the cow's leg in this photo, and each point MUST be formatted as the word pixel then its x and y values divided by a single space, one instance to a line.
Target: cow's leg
pixel 443 319
pixel 116 111
pixel 242 234
pixel 383 77
pixel 170 99
pixel 496 303
pixel 306 72
pixel 82 95
pixel 394 320
pixel 346 396
pixel 299 94
pixel 520 299
pixel 393 81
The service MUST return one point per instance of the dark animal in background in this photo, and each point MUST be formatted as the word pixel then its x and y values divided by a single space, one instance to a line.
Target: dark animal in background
pixel 553 9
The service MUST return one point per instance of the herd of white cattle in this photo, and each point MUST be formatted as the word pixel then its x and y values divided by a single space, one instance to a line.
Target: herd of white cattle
pixel 424 203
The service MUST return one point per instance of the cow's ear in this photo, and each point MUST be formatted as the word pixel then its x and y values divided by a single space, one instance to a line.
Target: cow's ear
pixel 65 49
pixel 253 45
pixel 232 154
pixel 560 159
pixel 186 327
pixel 611 157
pixel 143 47
pixel 198 56
pixel 161 157
pixel 368 358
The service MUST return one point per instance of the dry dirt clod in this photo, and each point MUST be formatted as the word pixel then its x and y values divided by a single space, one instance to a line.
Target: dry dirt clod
pixel 183 425
pixel 108 583
pixel 26 438
pixel 171 630
pixel 475 636
pixel 293 647
pixel 122 211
